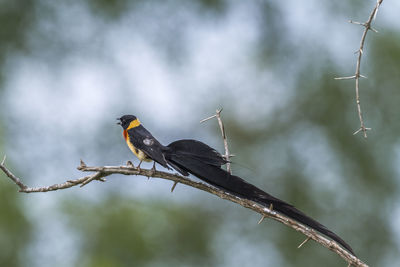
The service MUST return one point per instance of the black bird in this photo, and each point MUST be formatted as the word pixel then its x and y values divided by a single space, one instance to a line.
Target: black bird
pixel 194 157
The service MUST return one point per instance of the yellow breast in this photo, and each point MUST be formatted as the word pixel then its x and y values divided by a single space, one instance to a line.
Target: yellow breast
pixel 138 153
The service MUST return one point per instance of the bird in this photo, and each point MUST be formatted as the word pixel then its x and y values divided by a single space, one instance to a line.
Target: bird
pixel 188 156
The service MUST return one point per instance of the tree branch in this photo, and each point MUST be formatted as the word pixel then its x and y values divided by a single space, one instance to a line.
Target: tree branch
pixel 222 128
pixel 357 75
pixel 104 171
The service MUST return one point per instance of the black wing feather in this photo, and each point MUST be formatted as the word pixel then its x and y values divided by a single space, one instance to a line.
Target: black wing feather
pixel 145 141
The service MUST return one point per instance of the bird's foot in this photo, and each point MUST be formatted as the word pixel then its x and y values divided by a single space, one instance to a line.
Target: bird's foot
pixel 153 169
pixel 138 166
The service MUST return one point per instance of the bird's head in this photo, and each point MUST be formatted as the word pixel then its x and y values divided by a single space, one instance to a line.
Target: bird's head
pixel 128 121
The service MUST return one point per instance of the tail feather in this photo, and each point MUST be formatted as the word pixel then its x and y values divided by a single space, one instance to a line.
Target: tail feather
pixel 299 216
pixel 197 150
pixel 197 158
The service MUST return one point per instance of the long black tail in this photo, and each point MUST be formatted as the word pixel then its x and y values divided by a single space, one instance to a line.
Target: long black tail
pixel 197 158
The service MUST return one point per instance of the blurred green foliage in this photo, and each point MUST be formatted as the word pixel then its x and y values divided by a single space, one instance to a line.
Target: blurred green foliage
pixel 118 231
pixel 15 228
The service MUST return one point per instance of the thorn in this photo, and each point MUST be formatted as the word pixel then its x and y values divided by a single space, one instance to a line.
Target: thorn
pixel 346 78
pixel 209 118
pixel 262 219
pixel 374 30
pixel 83 165
pixel 305 241
pixel 357 23
pixel 364 129
pixel 173 187
pixel 4 160
pixel 271 207
pixel 349 264
pixel 217 112
pixel 362 76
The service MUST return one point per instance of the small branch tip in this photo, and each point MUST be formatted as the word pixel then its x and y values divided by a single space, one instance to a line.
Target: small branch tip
pixel 4 160
pixel 96 176
pixel 262 219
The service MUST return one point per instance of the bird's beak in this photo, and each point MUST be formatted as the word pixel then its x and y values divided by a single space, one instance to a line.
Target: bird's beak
pixel 119 123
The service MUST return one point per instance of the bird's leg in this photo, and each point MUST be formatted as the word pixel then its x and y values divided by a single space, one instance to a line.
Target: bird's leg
pixel 154 167
pixel 138 166
pixel 153 170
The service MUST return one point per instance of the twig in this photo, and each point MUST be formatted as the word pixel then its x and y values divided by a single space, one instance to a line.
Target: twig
pixel 222 128
pixel 14 178
pixel 367 26
pixel 103 171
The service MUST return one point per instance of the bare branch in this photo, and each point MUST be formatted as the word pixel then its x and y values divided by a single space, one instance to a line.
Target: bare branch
pixel 367 26
pixel 222 128
pixel 14 178
pixel 103 171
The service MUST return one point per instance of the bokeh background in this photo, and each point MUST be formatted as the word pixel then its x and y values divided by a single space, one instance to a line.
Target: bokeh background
pixel 69 68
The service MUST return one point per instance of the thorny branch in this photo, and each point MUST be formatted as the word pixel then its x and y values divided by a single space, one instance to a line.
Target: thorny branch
pixel 357 75
pixel 222 128
pixel 99 173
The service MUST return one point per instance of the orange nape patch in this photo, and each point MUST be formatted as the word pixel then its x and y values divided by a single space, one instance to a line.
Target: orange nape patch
pixel 133 124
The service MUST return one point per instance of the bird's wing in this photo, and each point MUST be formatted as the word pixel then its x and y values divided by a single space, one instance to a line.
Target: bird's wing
pixel 144 141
